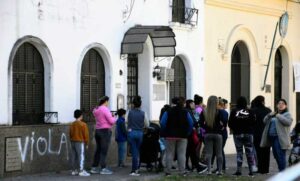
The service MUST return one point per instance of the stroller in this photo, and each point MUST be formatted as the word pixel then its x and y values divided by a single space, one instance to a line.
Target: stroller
pixel 150 151
pixel 294 156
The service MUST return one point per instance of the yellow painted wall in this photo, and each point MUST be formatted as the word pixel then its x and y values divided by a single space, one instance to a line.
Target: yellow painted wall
pixel 252 21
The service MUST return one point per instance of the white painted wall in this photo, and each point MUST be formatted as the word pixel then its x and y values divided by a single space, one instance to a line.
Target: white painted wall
pixel 71 29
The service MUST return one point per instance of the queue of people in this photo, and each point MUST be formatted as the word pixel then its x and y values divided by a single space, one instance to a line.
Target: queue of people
pixel 190 131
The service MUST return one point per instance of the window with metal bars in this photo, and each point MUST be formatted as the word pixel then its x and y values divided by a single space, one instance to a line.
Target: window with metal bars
pixel 28 86
pixel 178 11
pixel 178 86
pixel 277 77
pixel 92 83
pixel 240 72
pixel 132 78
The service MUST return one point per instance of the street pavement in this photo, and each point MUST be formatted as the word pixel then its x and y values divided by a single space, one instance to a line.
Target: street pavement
pixel 122 174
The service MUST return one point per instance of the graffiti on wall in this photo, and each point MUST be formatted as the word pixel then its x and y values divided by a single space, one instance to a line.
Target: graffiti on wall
pixel 42 146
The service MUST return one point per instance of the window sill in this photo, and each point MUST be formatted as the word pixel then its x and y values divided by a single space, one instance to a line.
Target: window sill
pixel 182 26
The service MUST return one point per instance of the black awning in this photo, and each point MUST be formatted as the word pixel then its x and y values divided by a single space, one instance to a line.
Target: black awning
pixel 163 40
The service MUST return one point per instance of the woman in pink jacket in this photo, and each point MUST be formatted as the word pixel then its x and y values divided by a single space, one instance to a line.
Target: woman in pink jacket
pixel 104 123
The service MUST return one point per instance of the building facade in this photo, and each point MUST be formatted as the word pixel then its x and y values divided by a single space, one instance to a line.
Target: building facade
pixel 58 56
pixel 238 43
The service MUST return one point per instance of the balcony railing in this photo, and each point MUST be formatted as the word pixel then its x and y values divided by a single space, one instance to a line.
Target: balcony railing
pixel 35 118
pixel 185 15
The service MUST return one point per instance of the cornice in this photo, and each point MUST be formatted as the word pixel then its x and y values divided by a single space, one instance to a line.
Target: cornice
pixel 246 7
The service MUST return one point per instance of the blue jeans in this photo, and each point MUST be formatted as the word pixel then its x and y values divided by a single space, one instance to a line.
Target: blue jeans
pixel 135 138
pixel 121 152
pixel 279 154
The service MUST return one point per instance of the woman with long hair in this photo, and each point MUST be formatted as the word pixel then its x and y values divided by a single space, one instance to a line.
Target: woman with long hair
pixel 276 133
pixel 211 121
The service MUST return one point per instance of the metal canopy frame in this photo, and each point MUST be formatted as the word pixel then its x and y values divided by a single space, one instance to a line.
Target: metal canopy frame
pixel 162 37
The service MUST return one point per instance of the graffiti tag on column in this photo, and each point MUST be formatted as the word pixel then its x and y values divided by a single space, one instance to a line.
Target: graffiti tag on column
pixel 42 146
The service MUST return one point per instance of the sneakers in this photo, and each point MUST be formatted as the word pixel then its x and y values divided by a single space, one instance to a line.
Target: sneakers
pixel 219 173
pixel 201 169
pixel 83 173
pixel 254 169
pixel 208 173
pixel 74 172
pixel 251 174
pixel 134 173
pixel 105 171
pixel 237 173
pixel 94 170
pixel 167 174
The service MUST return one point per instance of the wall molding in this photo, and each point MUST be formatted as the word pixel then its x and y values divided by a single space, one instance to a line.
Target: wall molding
pixel 246 7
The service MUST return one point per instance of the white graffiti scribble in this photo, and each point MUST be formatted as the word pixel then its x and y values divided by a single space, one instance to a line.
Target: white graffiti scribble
pixel 42 145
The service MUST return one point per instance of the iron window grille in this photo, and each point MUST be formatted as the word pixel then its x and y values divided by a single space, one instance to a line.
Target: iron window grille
pixel 185 15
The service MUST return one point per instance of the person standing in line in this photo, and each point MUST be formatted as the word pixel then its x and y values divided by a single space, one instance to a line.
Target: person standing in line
pixel 199 107
pixel 241 122
pixel 176 125
pixel 137 121
pixel 262 154
pixel 79 136
pixel 193 140
pixel 211 121
pixel 104 122
pixel 121 137
pixel 224 118
pixel 276 133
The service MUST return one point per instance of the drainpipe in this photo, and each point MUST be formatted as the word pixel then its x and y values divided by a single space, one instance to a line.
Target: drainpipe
pixel 270 55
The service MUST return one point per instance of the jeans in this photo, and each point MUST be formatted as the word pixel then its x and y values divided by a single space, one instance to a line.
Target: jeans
pixel 244 141
pixel 121 152
pixel 180 145
pixel 102 137
pixel 135 138
pixel 279 154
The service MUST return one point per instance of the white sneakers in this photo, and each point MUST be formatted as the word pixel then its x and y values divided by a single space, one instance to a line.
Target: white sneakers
pixel 82 173
pixel 134 173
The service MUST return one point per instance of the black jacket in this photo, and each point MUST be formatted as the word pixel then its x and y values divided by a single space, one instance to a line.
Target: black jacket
pixel 241 121
pixel 260 113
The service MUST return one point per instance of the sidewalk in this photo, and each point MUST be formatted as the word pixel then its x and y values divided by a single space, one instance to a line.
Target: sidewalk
pixel 122 174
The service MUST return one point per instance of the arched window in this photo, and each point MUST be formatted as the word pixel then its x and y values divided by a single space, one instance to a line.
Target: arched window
pixel 178 86
pixel 178 11
pixel 240 72
pixel 92 82
pixel 277 77
pixel 28 86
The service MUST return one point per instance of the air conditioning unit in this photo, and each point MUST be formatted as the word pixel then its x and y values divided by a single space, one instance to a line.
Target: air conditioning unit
pixel 166 74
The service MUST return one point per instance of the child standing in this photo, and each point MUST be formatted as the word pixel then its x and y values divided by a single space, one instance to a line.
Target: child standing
pixel 79 136
pixel 121 136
